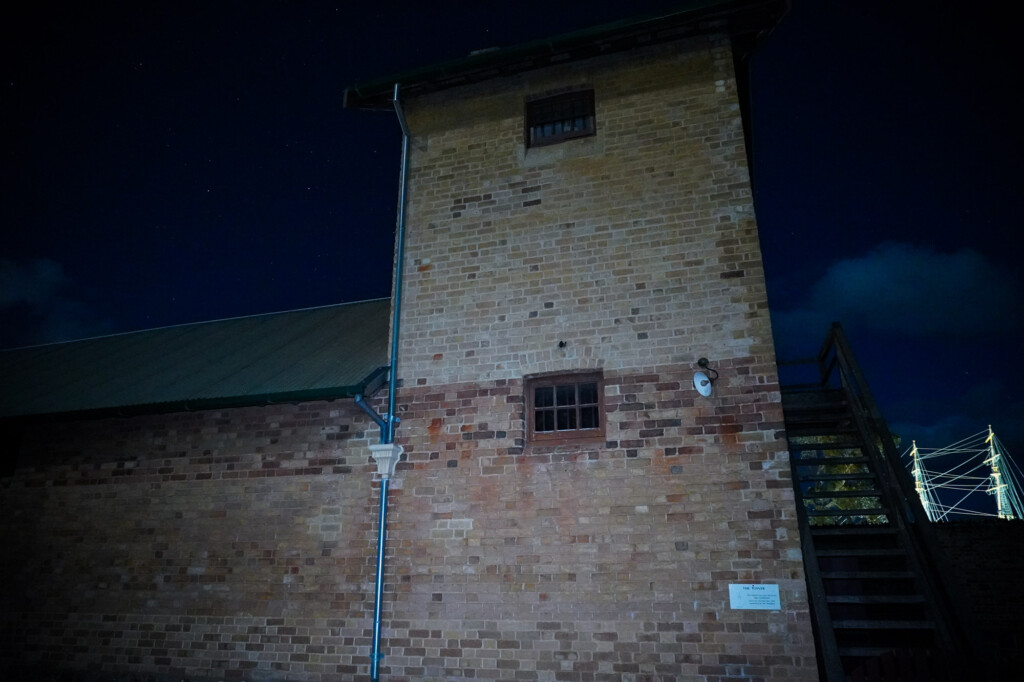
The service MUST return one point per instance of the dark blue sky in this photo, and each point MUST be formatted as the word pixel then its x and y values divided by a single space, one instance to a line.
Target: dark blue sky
pixel 174 162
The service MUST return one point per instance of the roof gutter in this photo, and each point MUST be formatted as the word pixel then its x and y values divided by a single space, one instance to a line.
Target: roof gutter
pixel 227 402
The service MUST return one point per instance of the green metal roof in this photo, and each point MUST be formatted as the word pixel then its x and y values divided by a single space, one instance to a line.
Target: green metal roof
pixel 735 17
pixel 314 354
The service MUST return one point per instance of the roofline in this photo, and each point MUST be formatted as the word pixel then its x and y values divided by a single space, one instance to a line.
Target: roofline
pixel 194 324
pixel 698 17
pixel 201 404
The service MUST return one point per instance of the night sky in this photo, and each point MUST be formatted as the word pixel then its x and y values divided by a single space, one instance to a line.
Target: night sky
pixel 166 163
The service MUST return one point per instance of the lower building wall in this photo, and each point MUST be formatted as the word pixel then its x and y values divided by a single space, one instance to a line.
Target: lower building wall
pixel 223 545
pixel 602 562
pixel 241 544
pixel 985 563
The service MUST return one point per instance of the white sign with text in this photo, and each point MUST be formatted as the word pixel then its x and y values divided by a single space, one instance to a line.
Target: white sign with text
pixel 754 597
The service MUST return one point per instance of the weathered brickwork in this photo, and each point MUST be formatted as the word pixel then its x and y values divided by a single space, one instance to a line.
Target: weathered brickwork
pixel 603 562
pixel 635 252
pixel 636 247
pixel 234 544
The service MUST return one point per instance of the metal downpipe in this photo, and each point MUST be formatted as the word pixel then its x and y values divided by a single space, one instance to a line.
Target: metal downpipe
pixel 396 306
pixel 378 595
pixel 387 430
pixel 360 401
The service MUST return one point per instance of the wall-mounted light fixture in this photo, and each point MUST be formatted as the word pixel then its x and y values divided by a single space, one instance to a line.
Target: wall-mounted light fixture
pixel 704 379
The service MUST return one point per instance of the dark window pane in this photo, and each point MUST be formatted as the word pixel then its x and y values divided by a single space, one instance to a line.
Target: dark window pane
pixel 561 117
pixel 588 394
pixel 566 420
pixel 544 397
pixel 566 395
pixel 589 418
pixel 544 420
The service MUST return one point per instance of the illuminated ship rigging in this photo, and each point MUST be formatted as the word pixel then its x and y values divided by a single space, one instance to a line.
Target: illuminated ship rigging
pixel 965 479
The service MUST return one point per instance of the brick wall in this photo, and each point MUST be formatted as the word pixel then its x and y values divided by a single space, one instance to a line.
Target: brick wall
pixel 638 250
pixel 604 562
pixel 236 544
pixel 637 247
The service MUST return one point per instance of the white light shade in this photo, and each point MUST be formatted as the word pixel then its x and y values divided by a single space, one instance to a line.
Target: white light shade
pixel 702 383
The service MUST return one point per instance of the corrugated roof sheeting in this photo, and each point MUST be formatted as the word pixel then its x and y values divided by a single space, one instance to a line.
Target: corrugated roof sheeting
pixel 325 352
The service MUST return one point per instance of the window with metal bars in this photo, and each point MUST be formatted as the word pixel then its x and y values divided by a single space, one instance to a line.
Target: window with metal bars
pixel 561 117
pixel 565 407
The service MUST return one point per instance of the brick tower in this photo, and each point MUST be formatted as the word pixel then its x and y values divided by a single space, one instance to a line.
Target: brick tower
pixel 580 232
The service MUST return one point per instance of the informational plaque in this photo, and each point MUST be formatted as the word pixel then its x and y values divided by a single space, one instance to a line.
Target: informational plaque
pixel 764 597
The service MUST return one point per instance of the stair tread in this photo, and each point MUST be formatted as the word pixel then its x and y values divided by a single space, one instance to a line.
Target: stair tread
pixel 827 426
pixel 844 445
pixel 840 493
pixel 828 461
pixel 864 651
pixel 860 552
pixel 872 511
pixel 865 575
pixel 816 415
pixel 854 530
pixel 805 432
pixel 813 389
pixel 803 386
pixel 838 477
pixel 817 394
pixel 883 624
pixel 874 599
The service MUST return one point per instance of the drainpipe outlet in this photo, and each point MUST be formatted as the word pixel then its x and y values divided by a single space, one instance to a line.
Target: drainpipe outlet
pixel 386 455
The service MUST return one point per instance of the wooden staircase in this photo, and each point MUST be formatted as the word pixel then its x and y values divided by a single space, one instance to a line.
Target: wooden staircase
pixel 880 610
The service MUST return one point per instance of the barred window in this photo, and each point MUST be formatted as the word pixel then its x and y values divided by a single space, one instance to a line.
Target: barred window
pixel 565 407
pixel 562 117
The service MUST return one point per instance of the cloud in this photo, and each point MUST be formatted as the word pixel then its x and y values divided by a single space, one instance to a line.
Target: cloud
pixel 33 283
pixel 36 308
pixel 993 401
pixel 909 291
pixel 945 418
pixel 936 434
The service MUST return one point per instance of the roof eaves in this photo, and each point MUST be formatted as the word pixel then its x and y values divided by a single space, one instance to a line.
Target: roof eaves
pixel 329 394
pixel 721 16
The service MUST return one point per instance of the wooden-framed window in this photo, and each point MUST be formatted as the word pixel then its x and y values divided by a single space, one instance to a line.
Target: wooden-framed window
pixel 562 117
pixel 565 407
